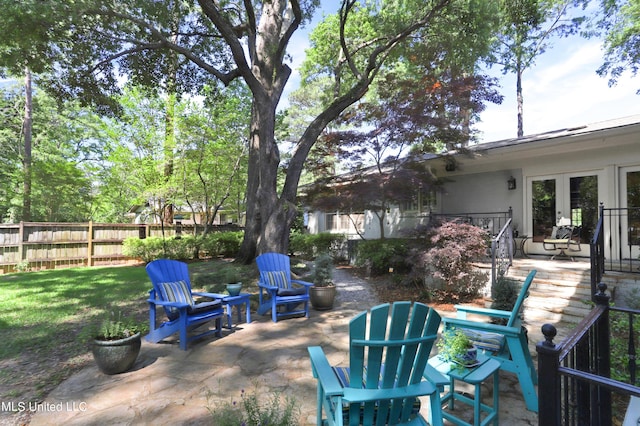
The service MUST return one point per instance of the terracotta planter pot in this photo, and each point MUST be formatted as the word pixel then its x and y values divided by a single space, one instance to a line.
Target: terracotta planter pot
pixel 116 356
pixel 322 298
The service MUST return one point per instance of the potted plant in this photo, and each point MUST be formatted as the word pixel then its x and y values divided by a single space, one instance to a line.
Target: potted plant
pixel 455 346
pixel 233 282
pixel 323 292
pixel 115 343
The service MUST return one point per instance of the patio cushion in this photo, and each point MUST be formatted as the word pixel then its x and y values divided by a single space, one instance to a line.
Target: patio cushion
pixel 275 279
pixel 177 291
pixel 204 307
pixel 293 291
pixel 485 340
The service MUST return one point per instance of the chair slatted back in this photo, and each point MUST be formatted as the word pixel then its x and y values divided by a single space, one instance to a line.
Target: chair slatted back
pixel 164 271
pixel 391 352
pixel 516 313
pixel 275 262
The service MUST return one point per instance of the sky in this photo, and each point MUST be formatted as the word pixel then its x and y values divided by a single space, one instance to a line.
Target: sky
pixel 561 90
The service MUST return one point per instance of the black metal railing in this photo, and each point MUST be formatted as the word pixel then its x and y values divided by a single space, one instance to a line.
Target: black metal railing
pixel 492 222
pixel 574 377
pixel 502 248
pixel 597 254
pixel 616 241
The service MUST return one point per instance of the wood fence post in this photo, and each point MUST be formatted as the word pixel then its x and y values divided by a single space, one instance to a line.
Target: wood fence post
pixel 21 243
pixel 90 244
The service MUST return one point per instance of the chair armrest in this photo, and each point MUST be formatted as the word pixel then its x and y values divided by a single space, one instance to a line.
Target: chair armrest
pixel 323 372
pixel 435 377
pixel 362 395
pixel 165 303
pixel 206 294
pixel 267 287
pixel 482 326
pixel 462 310
pixel 304 283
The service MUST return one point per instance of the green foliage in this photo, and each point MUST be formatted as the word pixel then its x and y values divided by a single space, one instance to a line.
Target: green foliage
pixel 619 341
pixel 152 248
pixel 383 254
pixel 115 327
pixel 453 345
pixel 309 245
pixel 505 293
pixel 323 270
pixel 232 276
pixel 225 244
pixel 64 151
pixel 256 409
pixel 621 25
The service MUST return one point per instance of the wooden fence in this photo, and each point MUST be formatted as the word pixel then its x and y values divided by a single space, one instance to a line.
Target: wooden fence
pixel 43 245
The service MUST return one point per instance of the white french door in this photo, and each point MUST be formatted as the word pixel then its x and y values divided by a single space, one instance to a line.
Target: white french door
pixel 572 197
pixel 630 221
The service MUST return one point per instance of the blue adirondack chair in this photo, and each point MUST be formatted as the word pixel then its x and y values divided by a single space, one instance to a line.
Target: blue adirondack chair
pixel 172 291
pixel 277 290
pixel 384 378
pixel 506 343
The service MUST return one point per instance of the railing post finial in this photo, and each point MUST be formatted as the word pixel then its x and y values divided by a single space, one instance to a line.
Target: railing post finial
pixel 549 332
pixel 601 297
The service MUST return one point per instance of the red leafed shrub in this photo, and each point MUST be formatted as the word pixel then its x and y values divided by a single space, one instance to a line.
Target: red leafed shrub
pixel 446 262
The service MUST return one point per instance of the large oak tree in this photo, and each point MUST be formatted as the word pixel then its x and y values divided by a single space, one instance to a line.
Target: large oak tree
pixel 88 47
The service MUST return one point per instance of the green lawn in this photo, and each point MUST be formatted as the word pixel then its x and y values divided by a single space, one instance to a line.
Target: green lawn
pixel 44 314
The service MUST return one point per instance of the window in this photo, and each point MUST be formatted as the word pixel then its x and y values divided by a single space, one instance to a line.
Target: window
pixel 423 202
pixel 340 222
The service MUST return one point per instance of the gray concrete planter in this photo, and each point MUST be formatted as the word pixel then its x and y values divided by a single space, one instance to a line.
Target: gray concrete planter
pixel 322 298
pixel 116 356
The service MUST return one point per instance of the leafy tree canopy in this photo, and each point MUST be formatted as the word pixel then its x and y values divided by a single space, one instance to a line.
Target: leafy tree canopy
pixel 620 22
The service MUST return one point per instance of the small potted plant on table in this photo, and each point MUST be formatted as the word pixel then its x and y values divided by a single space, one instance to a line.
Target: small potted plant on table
pixel 323 292
pixel 116 343
pixel 233 282
pixel 455 346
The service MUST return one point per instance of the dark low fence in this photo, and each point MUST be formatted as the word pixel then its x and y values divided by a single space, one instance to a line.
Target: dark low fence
pixel 616 240
pixel 45 245
pixel 575 386
pixel 492 222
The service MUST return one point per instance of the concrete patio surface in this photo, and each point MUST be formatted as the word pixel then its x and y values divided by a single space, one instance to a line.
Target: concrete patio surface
pixel 170 386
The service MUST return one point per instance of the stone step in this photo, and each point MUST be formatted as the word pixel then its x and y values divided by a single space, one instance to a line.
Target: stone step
pixel 562 278
pixel 567 314
pixel 556 295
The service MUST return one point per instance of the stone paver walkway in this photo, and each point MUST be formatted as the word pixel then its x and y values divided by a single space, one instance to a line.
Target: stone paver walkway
pixel 170 386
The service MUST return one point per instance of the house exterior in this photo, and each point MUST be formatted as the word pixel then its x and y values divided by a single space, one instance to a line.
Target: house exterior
pixel 542 179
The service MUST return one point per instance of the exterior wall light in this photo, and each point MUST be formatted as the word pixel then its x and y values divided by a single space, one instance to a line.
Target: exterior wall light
pixel 511 183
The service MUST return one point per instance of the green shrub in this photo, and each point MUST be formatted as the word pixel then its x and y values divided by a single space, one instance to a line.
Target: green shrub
pixel 309 246
pixel 505 293
pixel 256 411
pixel 384 254
pixel 152 248
pixel 225 244
pixel 146 249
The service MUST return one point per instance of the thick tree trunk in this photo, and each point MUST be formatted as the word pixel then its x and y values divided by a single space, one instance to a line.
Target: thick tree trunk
pixel 520 101
pixel 269 214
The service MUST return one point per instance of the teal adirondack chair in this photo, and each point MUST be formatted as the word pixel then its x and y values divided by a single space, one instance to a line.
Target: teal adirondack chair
pixel 389 347
pixel 172 291
pixel 506 343
pixel 276 289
